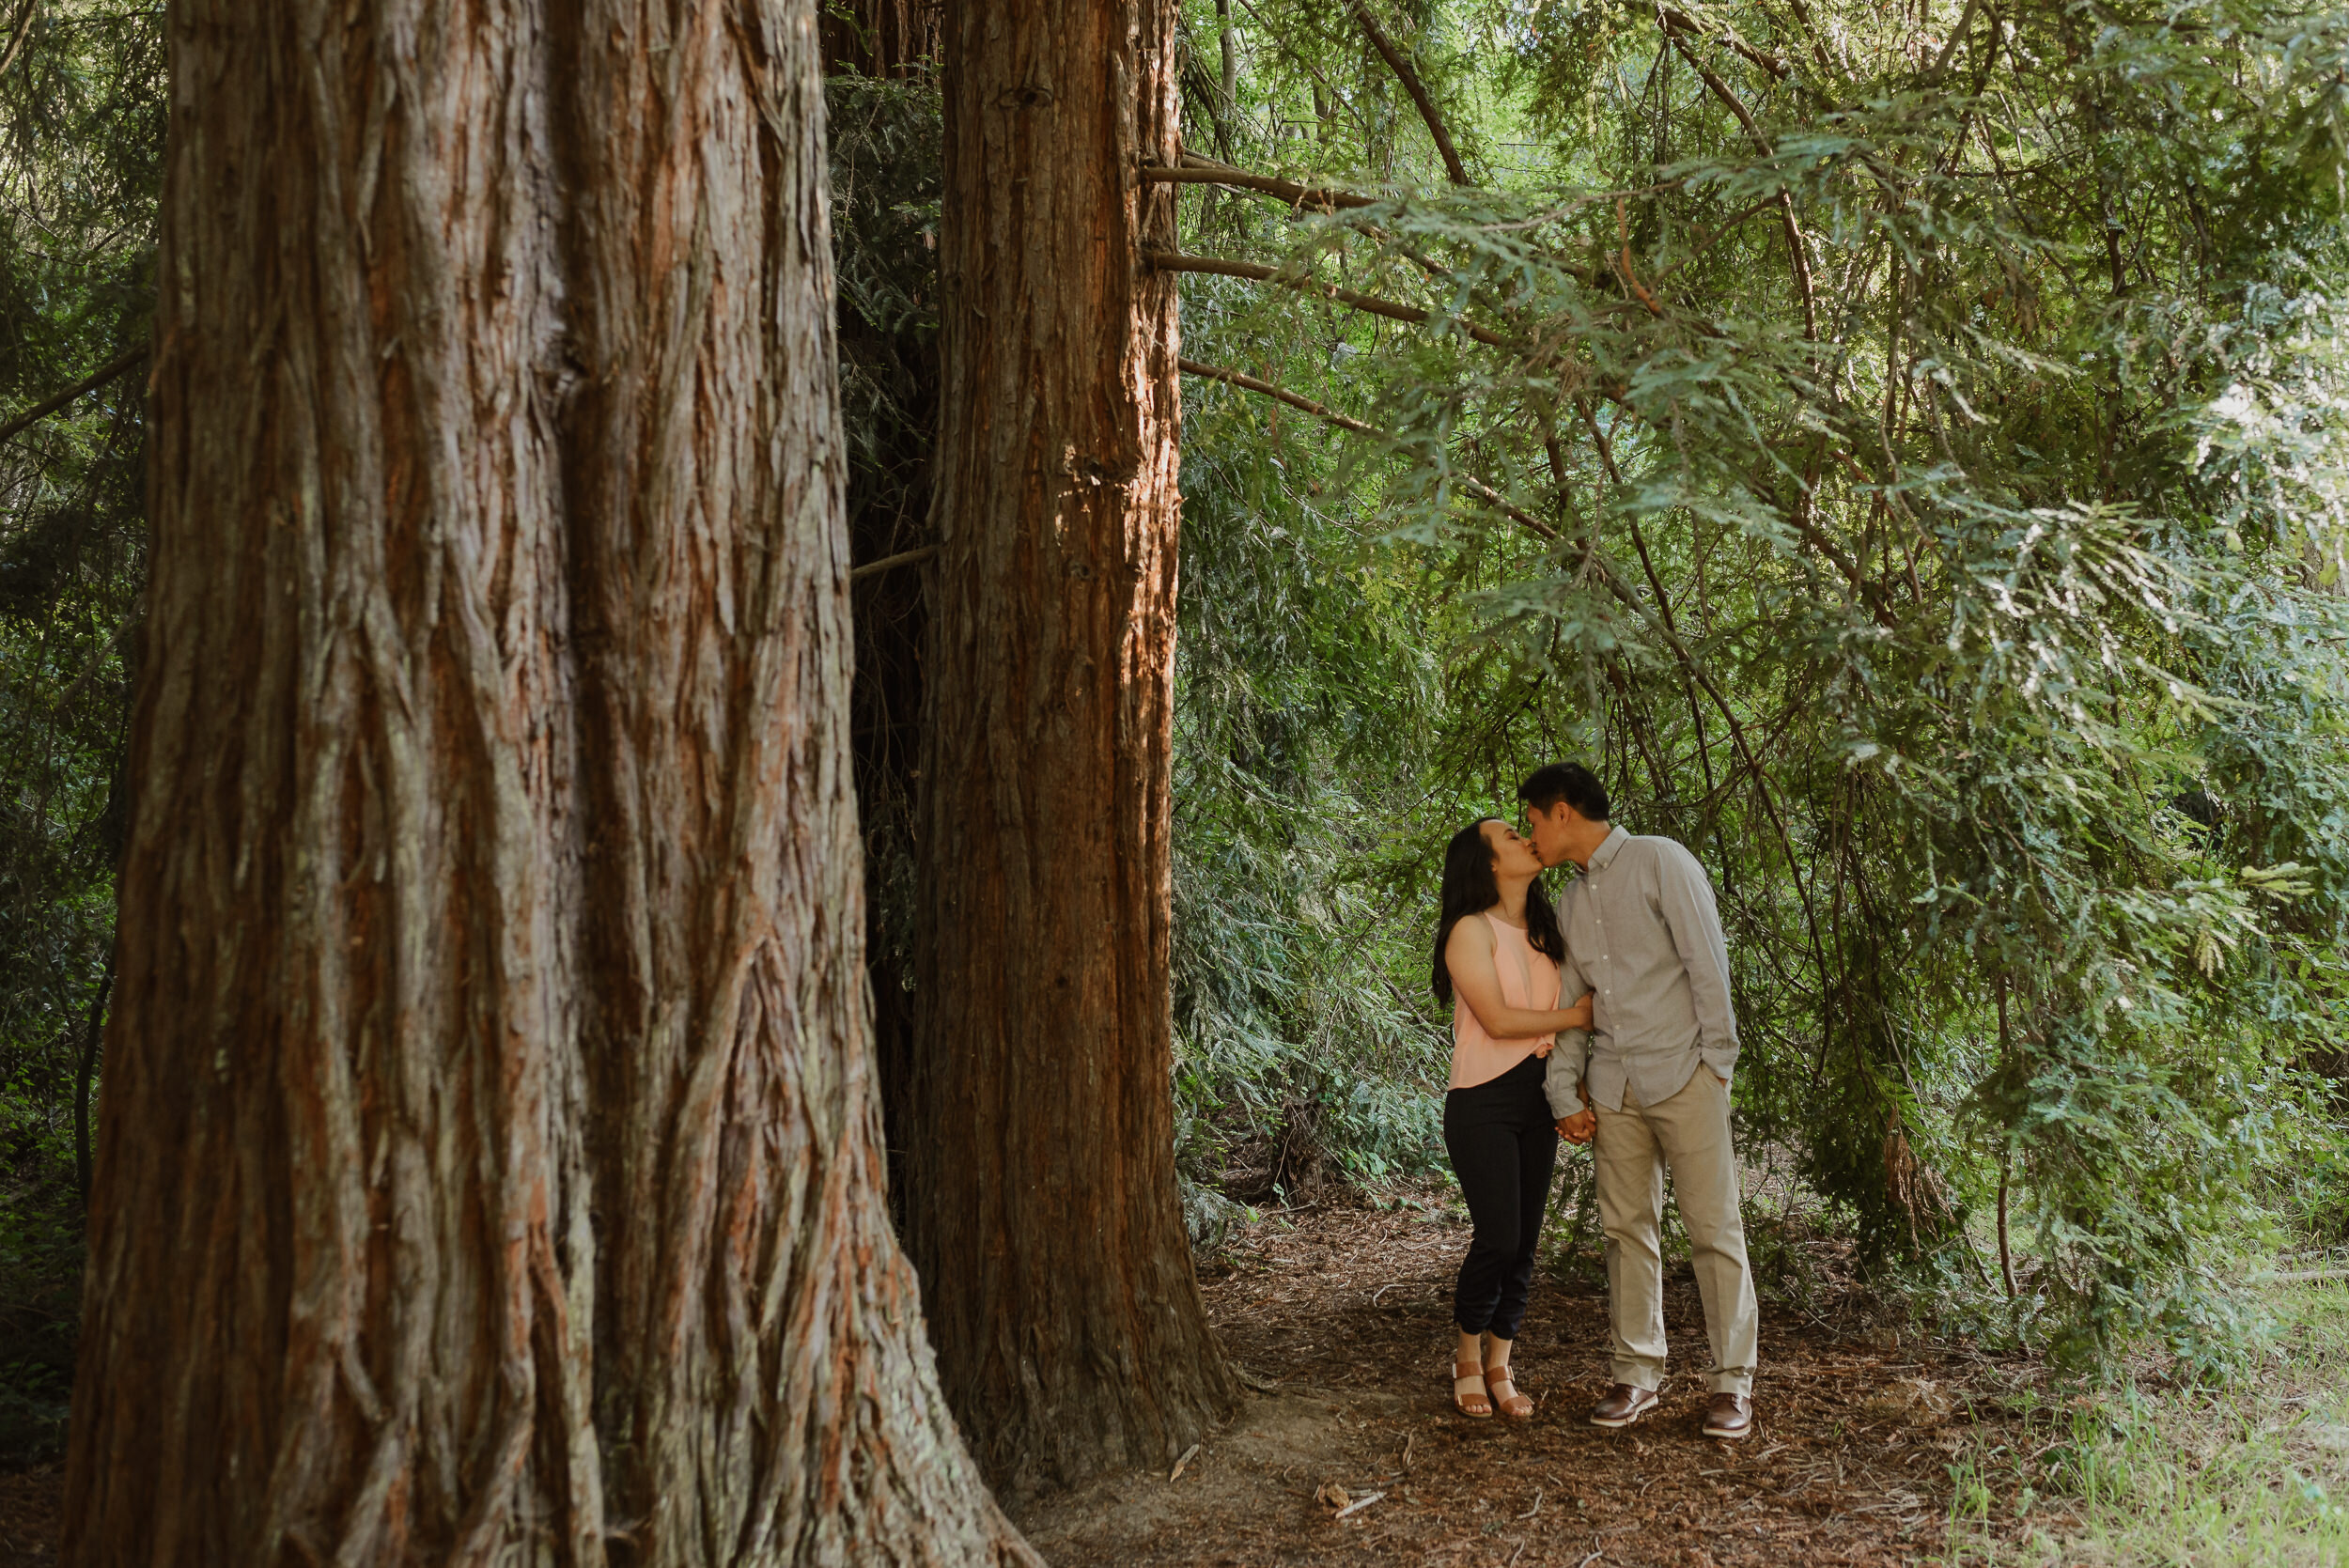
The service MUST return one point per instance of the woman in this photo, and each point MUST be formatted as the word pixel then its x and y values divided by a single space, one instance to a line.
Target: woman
pixel 1497 953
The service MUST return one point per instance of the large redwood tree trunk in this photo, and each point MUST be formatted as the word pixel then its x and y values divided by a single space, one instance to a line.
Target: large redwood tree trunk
pixel 489 1165
pixel 1043 1213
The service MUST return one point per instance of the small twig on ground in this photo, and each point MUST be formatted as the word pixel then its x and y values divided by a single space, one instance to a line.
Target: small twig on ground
pixel 1188 1455
pixel 1358 1505
pixel 1537 1505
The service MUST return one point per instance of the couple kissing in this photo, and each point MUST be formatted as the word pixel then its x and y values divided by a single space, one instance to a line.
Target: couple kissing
pixel 1606 1021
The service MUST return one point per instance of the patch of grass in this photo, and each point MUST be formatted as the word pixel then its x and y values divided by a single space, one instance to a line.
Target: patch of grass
pixel 2254 1473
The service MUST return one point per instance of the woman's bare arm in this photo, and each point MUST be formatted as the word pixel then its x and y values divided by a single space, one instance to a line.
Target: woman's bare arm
pixel 1475 984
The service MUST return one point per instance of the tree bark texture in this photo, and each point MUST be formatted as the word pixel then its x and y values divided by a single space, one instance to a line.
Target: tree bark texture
pixel 1043 1213
pixel 489 1165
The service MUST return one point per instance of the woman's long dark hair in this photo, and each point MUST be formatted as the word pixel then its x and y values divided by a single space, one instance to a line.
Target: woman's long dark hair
pixel 1470 889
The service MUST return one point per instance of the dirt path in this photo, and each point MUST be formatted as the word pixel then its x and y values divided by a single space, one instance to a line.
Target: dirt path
pixel 1344 1316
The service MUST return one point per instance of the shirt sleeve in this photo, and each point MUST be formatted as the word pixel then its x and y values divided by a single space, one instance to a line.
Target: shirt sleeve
pixel 1561 1080
pixel 1685 896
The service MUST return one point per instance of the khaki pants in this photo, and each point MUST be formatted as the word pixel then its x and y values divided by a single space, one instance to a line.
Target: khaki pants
pixel 1690 1132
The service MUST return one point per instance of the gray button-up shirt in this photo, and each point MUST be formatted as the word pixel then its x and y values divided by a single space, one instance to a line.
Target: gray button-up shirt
pixel 1643 933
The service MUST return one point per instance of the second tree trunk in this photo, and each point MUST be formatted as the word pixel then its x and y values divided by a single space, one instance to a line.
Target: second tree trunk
pixel 1043 1214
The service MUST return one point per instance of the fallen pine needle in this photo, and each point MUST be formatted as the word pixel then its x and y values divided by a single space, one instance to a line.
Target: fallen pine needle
pixel 1188 1455
pixel 1536 1509
pixel 1359 1504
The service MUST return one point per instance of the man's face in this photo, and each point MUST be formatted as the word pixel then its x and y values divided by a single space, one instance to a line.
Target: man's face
pixel 1549 830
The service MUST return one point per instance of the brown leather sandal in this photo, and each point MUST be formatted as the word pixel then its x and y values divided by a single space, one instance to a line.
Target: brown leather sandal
pixel 1513 1404
pixel 1461 1372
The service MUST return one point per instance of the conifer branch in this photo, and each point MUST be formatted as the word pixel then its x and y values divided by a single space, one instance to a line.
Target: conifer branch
pixel 1199 171
pixel 1678 20
pixel 1174 262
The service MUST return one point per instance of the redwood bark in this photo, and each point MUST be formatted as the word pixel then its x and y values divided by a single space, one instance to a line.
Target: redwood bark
pixel 489 1162
pixel 1043 1213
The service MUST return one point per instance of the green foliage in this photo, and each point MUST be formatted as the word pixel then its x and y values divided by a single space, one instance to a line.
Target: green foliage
pixel 1902 450
pixel 81 122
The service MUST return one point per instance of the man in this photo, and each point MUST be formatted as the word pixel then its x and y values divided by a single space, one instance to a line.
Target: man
pixel 1652 1085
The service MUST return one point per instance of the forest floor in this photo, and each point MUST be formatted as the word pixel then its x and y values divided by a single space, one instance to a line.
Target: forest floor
pixel 1870 1448
pixel 1341 1319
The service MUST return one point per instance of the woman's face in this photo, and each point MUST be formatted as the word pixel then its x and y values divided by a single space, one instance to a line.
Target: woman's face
pixel 1513 854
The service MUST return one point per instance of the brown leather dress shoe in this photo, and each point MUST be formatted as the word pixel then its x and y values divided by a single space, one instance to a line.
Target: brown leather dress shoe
pixel 1623 1405
pixel 1727 1415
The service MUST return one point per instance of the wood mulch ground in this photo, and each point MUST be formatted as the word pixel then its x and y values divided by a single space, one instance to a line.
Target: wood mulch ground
pixel 29 1501
pixel 1343 1318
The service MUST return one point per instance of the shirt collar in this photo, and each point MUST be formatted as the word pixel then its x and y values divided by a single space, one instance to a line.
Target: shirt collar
pixel 1608 847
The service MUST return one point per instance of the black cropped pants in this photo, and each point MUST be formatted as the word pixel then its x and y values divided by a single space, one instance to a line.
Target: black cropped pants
pixel 1504 1147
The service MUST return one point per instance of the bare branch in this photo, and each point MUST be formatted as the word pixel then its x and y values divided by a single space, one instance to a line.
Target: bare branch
pixel 1249 383
pixel 1199 172
pixel 1174 262
pixel 903 558
pixel 88 383
pixel 1411 84
pixel 1957 35
pixel 20 30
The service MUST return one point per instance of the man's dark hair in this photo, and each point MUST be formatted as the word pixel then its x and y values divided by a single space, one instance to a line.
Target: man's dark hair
pixel 1570 782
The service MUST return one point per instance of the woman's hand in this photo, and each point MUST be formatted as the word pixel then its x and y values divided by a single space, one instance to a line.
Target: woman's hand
pixel 1578 1016
pixel 1578 1127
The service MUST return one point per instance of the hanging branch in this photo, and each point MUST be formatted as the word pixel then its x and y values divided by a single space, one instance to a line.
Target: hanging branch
pixel 1249 383
pixel 1174 262
pixel 1409 78
pixel 1622 591
pixel 88 383
pixel 1800 257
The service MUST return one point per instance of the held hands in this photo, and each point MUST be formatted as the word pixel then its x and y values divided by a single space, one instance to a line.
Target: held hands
pixel 1583 1124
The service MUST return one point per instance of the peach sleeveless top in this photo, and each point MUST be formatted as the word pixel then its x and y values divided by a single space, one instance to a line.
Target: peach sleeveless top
pixel 1528 979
